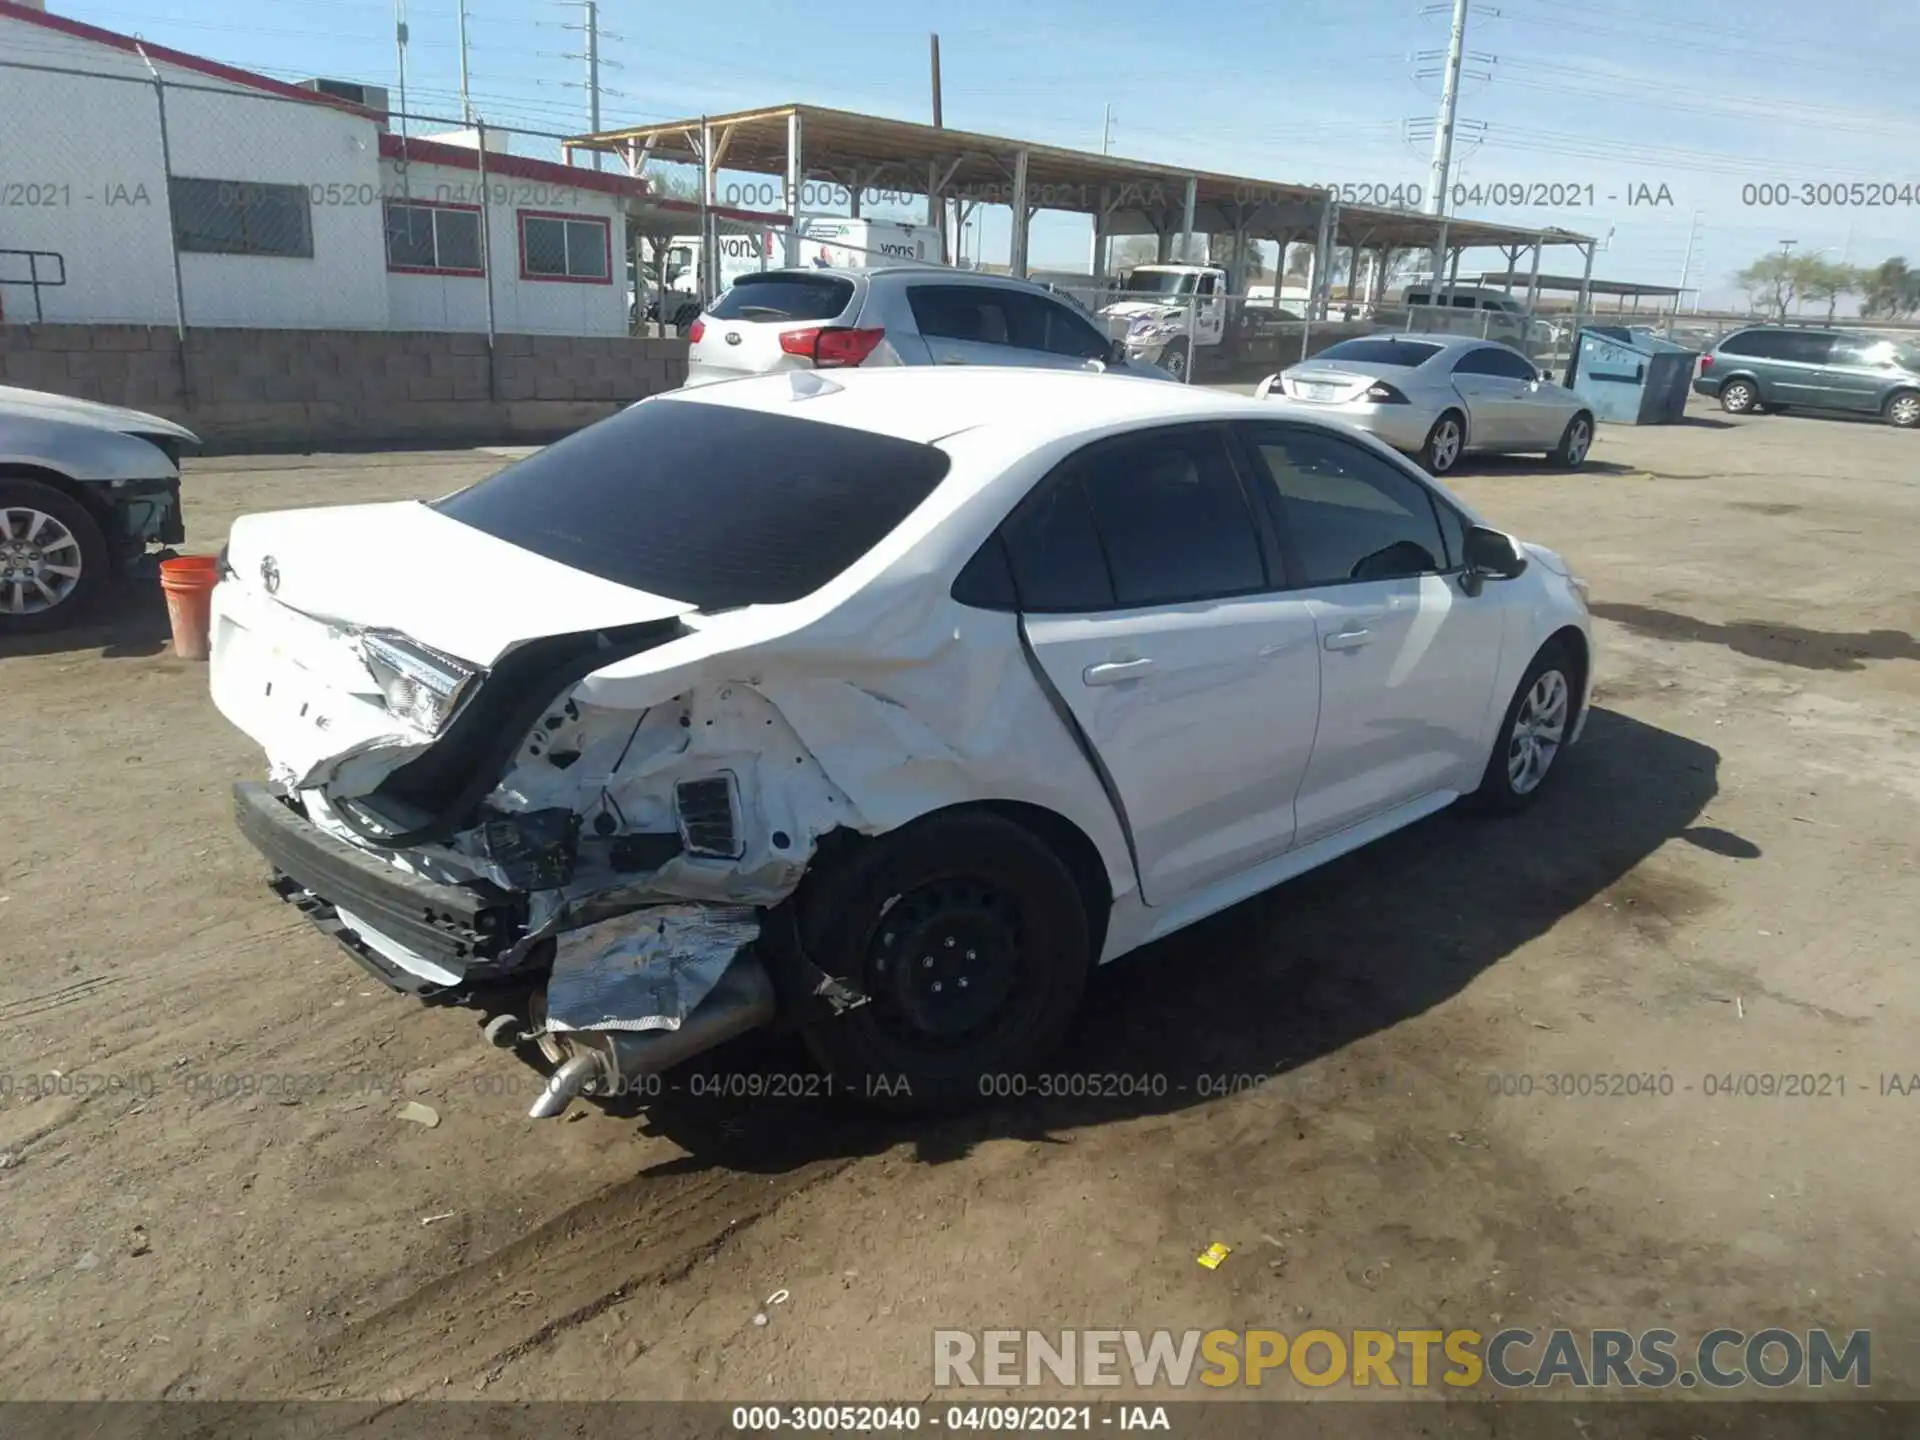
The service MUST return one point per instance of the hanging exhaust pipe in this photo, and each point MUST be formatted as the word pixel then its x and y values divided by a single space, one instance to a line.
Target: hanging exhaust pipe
pixel 575 1075
pixel 607 1062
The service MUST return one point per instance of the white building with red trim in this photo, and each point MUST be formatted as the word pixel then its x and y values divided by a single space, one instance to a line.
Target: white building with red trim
pixel 283 208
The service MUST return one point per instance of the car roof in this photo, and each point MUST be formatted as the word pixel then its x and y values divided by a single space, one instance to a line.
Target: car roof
pixel 1445 340
pixel 928 403
pixel 923 267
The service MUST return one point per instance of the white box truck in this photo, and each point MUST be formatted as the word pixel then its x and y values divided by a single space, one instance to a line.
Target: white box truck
pixel 833 243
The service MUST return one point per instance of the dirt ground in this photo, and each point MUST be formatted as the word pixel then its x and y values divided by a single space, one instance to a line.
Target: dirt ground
pixel 1722 883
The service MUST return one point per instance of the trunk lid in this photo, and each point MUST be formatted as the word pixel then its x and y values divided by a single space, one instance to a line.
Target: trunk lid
pixel 288 667
pixel 405 567
pixel 1331 384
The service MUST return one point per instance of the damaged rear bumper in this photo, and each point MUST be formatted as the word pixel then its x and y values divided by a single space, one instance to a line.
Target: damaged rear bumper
pixel 448 926
pixel 627 996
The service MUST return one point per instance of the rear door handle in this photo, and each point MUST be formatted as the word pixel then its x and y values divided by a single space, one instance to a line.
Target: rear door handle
pixel 1348 639
pixel 1115 671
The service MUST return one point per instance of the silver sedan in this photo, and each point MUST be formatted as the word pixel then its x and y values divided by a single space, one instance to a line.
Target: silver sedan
pixel 1436 397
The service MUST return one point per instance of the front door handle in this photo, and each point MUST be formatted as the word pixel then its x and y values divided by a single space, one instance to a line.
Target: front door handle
pixel 1348 639
pixel 1115 671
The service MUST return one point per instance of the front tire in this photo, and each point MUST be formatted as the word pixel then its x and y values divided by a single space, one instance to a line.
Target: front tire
pixel 53 557
pixel 1535 729
pixel 1444 443
pixel 1178 360
pixel 969 936
pixel 1739 397
pixel 1575 441
pixel 1903 409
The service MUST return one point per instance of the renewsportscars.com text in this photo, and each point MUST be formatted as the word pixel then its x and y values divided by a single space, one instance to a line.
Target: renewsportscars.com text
pixel 1512 1358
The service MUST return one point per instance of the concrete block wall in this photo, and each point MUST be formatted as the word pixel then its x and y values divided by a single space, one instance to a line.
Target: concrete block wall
pixel 314 389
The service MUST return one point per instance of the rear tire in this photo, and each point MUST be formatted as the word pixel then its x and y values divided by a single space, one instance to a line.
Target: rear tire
pixel 1445 443
pixel 1903 409
pixel 971 938
pixel 44 534
pixel 1575 441
pixel 1739 397
pixel 1534 730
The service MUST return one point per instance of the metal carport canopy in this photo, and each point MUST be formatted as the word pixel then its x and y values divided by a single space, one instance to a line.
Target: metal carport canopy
pixel 1135 196
pixel 1573 283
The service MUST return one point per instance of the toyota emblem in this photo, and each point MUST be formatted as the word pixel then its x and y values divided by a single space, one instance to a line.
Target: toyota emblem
pixel 270 575
pixel 733 337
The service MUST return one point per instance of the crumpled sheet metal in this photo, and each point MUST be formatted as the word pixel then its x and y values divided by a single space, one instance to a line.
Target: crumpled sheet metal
pixel 646 970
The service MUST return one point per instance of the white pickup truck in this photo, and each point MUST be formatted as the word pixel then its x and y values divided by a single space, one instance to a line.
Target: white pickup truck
pixel 1166 312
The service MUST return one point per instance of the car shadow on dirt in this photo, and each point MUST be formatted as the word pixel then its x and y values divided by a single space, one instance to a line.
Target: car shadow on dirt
pixel 1778 644
pixel 1266 987
pixel 129 620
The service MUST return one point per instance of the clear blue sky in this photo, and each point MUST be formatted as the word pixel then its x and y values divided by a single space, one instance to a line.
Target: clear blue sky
pixel 1608 94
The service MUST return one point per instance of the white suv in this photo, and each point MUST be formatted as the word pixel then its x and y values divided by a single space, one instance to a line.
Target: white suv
pixel 893 315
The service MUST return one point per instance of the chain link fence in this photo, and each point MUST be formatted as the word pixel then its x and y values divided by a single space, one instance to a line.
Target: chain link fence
pixel 154 196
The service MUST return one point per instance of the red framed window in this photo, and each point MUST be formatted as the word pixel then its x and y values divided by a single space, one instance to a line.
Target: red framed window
pixel 555 245
pixel 436 239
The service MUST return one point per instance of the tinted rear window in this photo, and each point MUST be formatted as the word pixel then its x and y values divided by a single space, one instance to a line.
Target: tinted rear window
pixel 709 504
pixel 1380 352
pixel 784 297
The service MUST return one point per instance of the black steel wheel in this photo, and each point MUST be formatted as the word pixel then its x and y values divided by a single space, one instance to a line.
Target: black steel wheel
pixel 970 938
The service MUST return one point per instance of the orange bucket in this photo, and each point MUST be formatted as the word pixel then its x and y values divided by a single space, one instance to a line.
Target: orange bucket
pixel 188 582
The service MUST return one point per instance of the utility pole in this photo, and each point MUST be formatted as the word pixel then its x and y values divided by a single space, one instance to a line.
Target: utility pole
pixel 1443 135
pixel 1686 269
pixel 936 207
pixel 593 71
pixel 400 45
pixel 1106 131
pixel 466 101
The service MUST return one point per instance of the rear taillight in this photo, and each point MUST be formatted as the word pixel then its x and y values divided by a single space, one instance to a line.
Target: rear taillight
pixel 695 331
pixel 1384 394
pixel 832 347
pixel 1706 362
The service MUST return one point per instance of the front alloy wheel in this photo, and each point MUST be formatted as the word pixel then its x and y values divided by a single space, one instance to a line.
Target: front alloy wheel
pixel 52 556
pixel 1537 731
pixel 1535 728
pixel 1904 410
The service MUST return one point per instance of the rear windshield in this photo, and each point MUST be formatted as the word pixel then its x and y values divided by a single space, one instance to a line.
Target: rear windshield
pixel 775 296
pixel 709 504
pixel 1381 352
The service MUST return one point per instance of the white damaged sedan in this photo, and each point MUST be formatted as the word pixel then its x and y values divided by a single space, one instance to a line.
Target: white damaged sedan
pixel 883 705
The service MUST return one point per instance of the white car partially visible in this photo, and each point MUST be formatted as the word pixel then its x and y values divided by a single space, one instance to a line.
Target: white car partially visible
pixel 885 704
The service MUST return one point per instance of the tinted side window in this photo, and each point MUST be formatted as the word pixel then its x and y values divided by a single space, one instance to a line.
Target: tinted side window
pixel 1761 344
pixel 1505 362
pixel 1807 348
pixel 963 312
pixel 1068 334
pixel 1173 517
pixel 1351 515
pixel 1474 362
pixel 1871 350
pixel 1054 551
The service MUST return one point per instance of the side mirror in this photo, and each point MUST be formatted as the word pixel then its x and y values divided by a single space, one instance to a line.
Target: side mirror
pixel 1491 555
